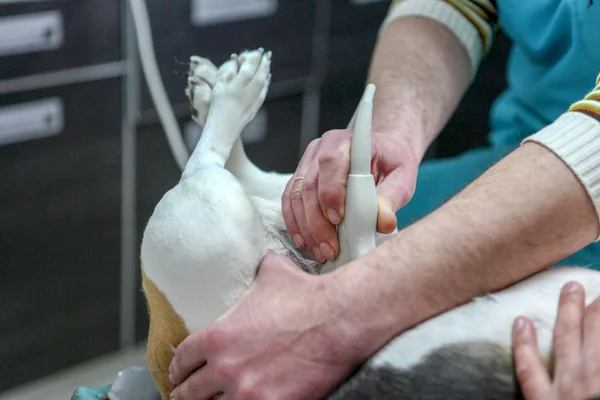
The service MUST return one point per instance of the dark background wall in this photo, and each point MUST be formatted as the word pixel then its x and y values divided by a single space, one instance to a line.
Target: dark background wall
pixel 62 196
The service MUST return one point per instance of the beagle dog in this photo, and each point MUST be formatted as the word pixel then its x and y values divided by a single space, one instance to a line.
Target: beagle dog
pixel 207 235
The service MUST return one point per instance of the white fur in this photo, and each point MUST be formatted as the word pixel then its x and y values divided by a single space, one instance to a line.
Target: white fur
pixel 490 318
pixel 204 242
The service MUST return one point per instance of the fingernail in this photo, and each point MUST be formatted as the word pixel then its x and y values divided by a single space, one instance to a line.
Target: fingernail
pixel 519 324
pixel 173 395
pixel 570 287
pixel 334 216
pixel 327 251
pixel 298 240
pixel 317 253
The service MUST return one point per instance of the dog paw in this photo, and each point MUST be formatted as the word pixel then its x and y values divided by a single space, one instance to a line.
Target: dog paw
pixel 242 85
pixel 202 78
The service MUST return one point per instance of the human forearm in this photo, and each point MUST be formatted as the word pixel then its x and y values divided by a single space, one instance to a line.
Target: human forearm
pixel 535 207
pixel 524 214
pixel 421 72
pixel 427 54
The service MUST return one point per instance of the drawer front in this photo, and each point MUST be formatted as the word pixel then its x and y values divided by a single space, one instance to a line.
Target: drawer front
pixel 54 35
pixel 60 195
pixel 157 172
pixel 354 28
pixel 217 28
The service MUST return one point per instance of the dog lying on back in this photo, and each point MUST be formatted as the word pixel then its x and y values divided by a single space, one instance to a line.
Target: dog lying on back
pixel 203 244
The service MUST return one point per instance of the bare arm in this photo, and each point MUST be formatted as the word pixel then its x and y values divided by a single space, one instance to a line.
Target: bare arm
pixel 421 71
pixel 538 205
pixel 425 58
pixel 427 55
pixel 524 214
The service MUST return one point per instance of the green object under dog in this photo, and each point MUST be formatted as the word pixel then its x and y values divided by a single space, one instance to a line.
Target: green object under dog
pixel 89 393
pixel 133 383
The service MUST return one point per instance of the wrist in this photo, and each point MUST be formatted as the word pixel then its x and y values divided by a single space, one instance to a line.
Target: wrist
pixel 370 318
pixel 417 91
pixel 409 139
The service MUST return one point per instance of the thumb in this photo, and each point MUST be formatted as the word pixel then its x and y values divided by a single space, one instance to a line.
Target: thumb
pixel 393 192
pixel 386 216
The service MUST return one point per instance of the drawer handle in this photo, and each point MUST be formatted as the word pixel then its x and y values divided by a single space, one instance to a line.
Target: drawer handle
pixel 207 12
pixel 31 33
pixel 32 120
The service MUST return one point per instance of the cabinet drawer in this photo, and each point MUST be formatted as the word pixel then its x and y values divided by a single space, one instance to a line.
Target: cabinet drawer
pixel 60 196
pixel 217 28
pixel 54 35
pixel 354 28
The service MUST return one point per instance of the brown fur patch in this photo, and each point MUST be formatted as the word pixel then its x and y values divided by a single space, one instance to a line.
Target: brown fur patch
pixel 166 329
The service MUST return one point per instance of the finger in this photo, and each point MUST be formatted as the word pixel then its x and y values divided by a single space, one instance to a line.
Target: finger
pixel 529 368
pixel 189 356
pixel 320 229
pixel 299 211
pixel 203 384
pixel 287 207
pixel 568 330
pixel 394 191
pixel 591 350
pixel 334 166
pixel 288 215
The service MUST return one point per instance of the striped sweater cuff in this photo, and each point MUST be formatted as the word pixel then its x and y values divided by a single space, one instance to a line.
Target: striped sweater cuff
pixel 575 138
pixel 473 23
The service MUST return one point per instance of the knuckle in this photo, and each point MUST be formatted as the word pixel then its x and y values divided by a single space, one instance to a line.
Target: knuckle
pixel 212 338
pixel 564 386
pixel 225 370
pixel 331 195
pixel 523 364
pixel 524 375
pixel 331 157
pixel 189 388
pixel 248 390
pixel 403 197
pixel 564 327
pixel 312 145
pixel 296 194
pixel 335 135
pixel 309 186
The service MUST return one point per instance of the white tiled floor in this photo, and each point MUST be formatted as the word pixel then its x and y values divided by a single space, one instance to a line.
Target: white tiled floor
pixel 95 373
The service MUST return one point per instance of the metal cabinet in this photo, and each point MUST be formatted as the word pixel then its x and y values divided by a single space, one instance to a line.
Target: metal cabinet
pixel 39 37
pixel 353 32
pixel 60 195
